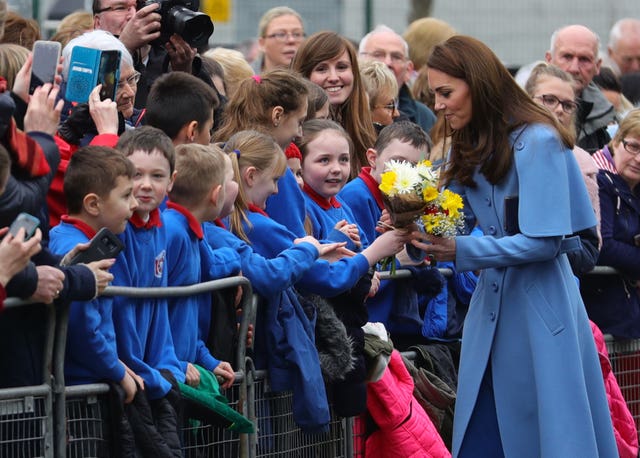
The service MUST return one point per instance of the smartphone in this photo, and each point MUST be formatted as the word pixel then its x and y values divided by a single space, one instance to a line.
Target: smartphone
pixel 109 74
pixel 103 245
pixel 89 67
pixel 46 58
pixel 26 221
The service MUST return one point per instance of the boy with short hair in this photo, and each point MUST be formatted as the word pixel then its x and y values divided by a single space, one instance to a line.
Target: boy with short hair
pixel 142 326
pixel 182 106
pixel 197 196
pixel 397 303
pixel 98 187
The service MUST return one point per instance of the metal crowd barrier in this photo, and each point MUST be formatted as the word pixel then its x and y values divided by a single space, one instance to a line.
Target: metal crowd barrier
pixel 52 420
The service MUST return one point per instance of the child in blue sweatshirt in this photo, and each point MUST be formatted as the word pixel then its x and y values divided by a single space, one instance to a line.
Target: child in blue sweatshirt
pixel 284 333
pixel 142 326
pixel 197 195
pixel 98 188
pixel 443 313
pixel 274 103
pixel 262 162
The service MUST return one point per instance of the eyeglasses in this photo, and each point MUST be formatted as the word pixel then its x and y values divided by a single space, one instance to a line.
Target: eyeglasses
pixel 379 54
pixel 119 8
pixel 282 35
pixel 132 81
pixel 391 106
pixel 551 102
pixel 631 147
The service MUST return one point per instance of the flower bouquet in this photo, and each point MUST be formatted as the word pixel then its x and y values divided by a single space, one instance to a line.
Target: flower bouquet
pixel 410 194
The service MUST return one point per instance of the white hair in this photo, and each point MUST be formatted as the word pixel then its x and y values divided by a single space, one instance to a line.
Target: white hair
pixel 621 27
pixel 96 39
pixel 381 28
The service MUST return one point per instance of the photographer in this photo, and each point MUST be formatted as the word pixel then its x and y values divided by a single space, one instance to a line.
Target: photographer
pixel 139 29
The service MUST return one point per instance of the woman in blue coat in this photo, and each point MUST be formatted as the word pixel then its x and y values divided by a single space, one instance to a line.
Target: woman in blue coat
pixel 529 381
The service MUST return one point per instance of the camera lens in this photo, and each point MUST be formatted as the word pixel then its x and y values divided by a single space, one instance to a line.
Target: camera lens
pixel 195 27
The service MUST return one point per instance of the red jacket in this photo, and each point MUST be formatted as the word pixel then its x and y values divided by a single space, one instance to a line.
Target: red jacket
pixel 56 201
pixel 405 429
pixel 624 428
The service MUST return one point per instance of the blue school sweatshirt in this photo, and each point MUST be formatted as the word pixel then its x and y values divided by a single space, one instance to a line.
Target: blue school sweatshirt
pixel 325 213
pixel 267 275
pixel 285 335
pixel 91 354
pixel 185 251
pixel 365 201
pixel 287 206
pixel 142 326
pixel 269 238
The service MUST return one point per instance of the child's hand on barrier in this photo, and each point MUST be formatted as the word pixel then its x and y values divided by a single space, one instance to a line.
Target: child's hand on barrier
pixel 375 284
pixel 192 376
pixel 136 378
pixel 129 387
pixel 225 371
pixel 100 270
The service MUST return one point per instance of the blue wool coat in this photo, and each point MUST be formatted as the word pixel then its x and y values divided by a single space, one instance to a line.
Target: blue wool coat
pixel 526 316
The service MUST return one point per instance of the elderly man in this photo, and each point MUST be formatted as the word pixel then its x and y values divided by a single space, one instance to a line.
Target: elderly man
pixel 385 45
pixel 624 46
pixel 574 49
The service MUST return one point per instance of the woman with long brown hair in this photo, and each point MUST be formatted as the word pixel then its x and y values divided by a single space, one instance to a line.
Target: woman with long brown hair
pixel 530 383
pixel 330 60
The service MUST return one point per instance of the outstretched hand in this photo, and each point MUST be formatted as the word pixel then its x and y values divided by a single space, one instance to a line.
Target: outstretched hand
pixel 328 251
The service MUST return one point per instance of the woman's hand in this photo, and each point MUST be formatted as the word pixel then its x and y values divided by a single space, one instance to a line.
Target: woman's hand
pixel 442 248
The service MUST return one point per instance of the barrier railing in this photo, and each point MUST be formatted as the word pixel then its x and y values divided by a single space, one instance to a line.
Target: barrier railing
pixel 53 420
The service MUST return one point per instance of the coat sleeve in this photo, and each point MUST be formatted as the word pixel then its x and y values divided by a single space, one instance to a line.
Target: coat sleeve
pixel 553 198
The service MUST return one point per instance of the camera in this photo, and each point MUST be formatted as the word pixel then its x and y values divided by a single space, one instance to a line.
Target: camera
pixel 182 17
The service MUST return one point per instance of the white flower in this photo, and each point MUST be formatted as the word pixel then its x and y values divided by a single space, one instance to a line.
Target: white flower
pixel 407 177
pixel 427 173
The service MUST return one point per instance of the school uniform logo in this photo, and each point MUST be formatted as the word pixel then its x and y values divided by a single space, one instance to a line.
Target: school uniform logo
pixel 158 264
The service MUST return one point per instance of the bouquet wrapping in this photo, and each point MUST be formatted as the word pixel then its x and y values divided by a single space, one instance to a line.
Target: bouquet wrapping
pixel 410 194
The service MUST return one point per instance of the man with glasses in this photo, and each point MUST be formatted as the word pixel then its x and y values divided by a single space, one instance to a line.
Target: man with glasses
pixel 137 30
pixel 385 45
pixel 574 49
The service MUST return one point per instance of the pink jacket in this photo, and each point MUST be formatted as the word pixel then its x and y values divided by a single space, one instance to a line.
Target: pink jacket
pixel 405 429
pixel 624 428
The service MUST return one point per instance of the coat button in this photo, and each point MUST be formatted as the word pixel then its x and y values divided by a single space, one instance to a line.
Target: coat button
pixel 487 201
pixel 491 230
pixel 520 145
pixel 492 316
pixel 494 286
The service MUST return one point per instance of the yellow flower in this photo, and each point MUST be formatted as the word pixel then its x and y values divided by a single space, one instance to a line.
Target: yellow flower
pixel 451 202
pixel 429 193
pixel 387 183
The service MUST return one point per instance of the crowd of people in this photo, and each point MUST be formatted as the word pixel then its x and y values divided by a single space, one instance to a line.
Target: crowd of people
pixel 208 165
